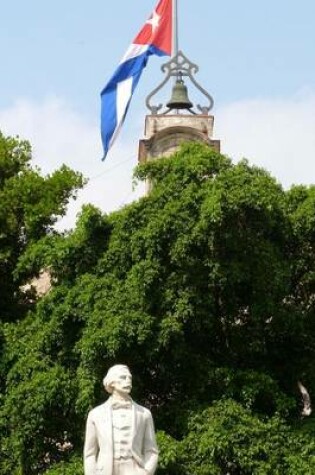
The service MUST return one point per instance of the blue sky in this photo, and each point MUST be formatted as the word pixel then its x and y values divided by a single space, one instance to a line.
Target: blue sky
pixel 69 48
pixel 256 58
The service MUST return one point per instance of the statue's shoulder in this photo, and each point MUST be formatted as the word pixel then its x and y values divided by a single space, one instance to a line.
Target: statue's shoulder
pixel 98 409
pixel 145 411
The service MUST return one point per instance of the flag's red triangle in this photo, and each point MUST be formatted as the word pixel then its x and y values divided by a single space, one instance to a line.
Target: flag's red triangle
pixel 157 31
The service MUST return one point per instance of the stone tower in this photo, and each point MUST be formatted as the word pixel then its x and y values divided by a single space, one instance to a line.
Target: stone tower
pixel 166 127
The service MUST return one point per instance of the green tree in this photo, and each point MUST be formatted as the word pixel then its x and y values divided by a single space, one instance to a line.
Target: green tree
pixel 228 439
pixel 204 288
pixel 30 206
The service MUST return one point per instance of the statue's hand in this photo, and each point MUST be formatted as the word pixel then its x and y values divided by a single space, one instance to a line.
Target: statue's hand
pixel 142 471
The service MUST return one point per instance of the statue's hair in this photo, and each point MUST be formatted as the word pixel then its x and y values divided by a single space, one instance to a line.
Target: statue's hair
pixel 111 376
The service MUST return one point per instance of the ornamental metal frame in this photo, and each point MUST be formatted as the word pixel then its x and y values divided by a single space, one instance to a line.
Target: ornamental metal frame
pixel 177 67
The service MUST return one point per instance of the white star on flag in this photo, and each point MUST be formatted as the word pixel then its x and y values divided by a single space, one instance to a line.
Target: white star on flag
pixel 154 21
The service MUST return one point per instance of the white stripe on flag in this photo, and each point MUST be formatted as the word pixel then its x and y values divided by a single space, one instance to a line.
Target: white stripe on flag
pixel 123 95
pixel 133 51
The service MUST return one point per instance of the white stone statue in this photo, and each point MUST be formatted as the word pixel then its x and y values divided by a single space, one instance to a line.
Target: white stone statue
pixel 120 438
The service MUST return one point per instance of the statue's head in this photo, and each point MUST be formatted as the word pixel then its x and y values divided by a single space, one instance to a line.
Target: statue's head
pixel 118 379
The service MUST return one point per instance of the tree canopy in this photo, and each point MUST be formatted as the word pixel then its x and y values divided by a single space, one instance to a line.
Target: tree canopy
pixel 30 206
pixel 205 288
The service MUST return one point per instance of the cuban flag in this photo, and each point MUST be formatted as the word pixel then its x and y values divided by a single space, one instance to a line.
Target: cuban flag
pixel 154 38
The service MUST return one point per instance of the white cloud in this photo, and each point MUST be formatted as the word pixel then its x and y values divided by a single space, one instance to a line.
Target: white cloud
pixel 60 135
pixel 278 135
pixel 275 134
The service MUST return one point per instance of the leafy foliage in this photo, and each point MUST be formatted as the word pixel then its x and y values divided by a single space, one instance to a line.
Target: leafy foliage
pixel 30 205
pixel 226 438
pixel 205 289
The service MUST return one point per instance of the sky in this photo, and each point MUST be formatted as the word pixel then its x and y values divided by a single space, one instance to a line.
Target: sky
pixel 257 59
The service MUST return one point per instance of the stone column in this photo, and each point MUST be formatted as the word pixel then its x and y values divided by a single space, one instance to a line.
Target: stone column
pixel 165 133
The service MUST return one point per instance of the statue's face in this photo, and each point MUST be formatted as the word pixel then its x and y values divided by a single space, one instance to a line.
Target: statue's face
pixel 123 382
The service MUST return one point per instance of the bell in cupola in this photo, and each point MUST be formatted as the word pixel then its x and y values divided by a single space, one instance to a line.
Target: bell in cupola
pixel 179 120
pixel 179 99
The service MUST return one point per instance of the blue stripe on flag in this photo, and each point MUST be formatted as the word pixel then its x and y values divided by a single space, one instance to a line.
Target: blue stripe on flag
pixel 131 68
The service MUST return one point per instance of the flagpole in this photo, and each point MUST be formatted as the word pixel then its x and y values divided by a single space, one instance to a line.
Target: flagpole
pixel 175 30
